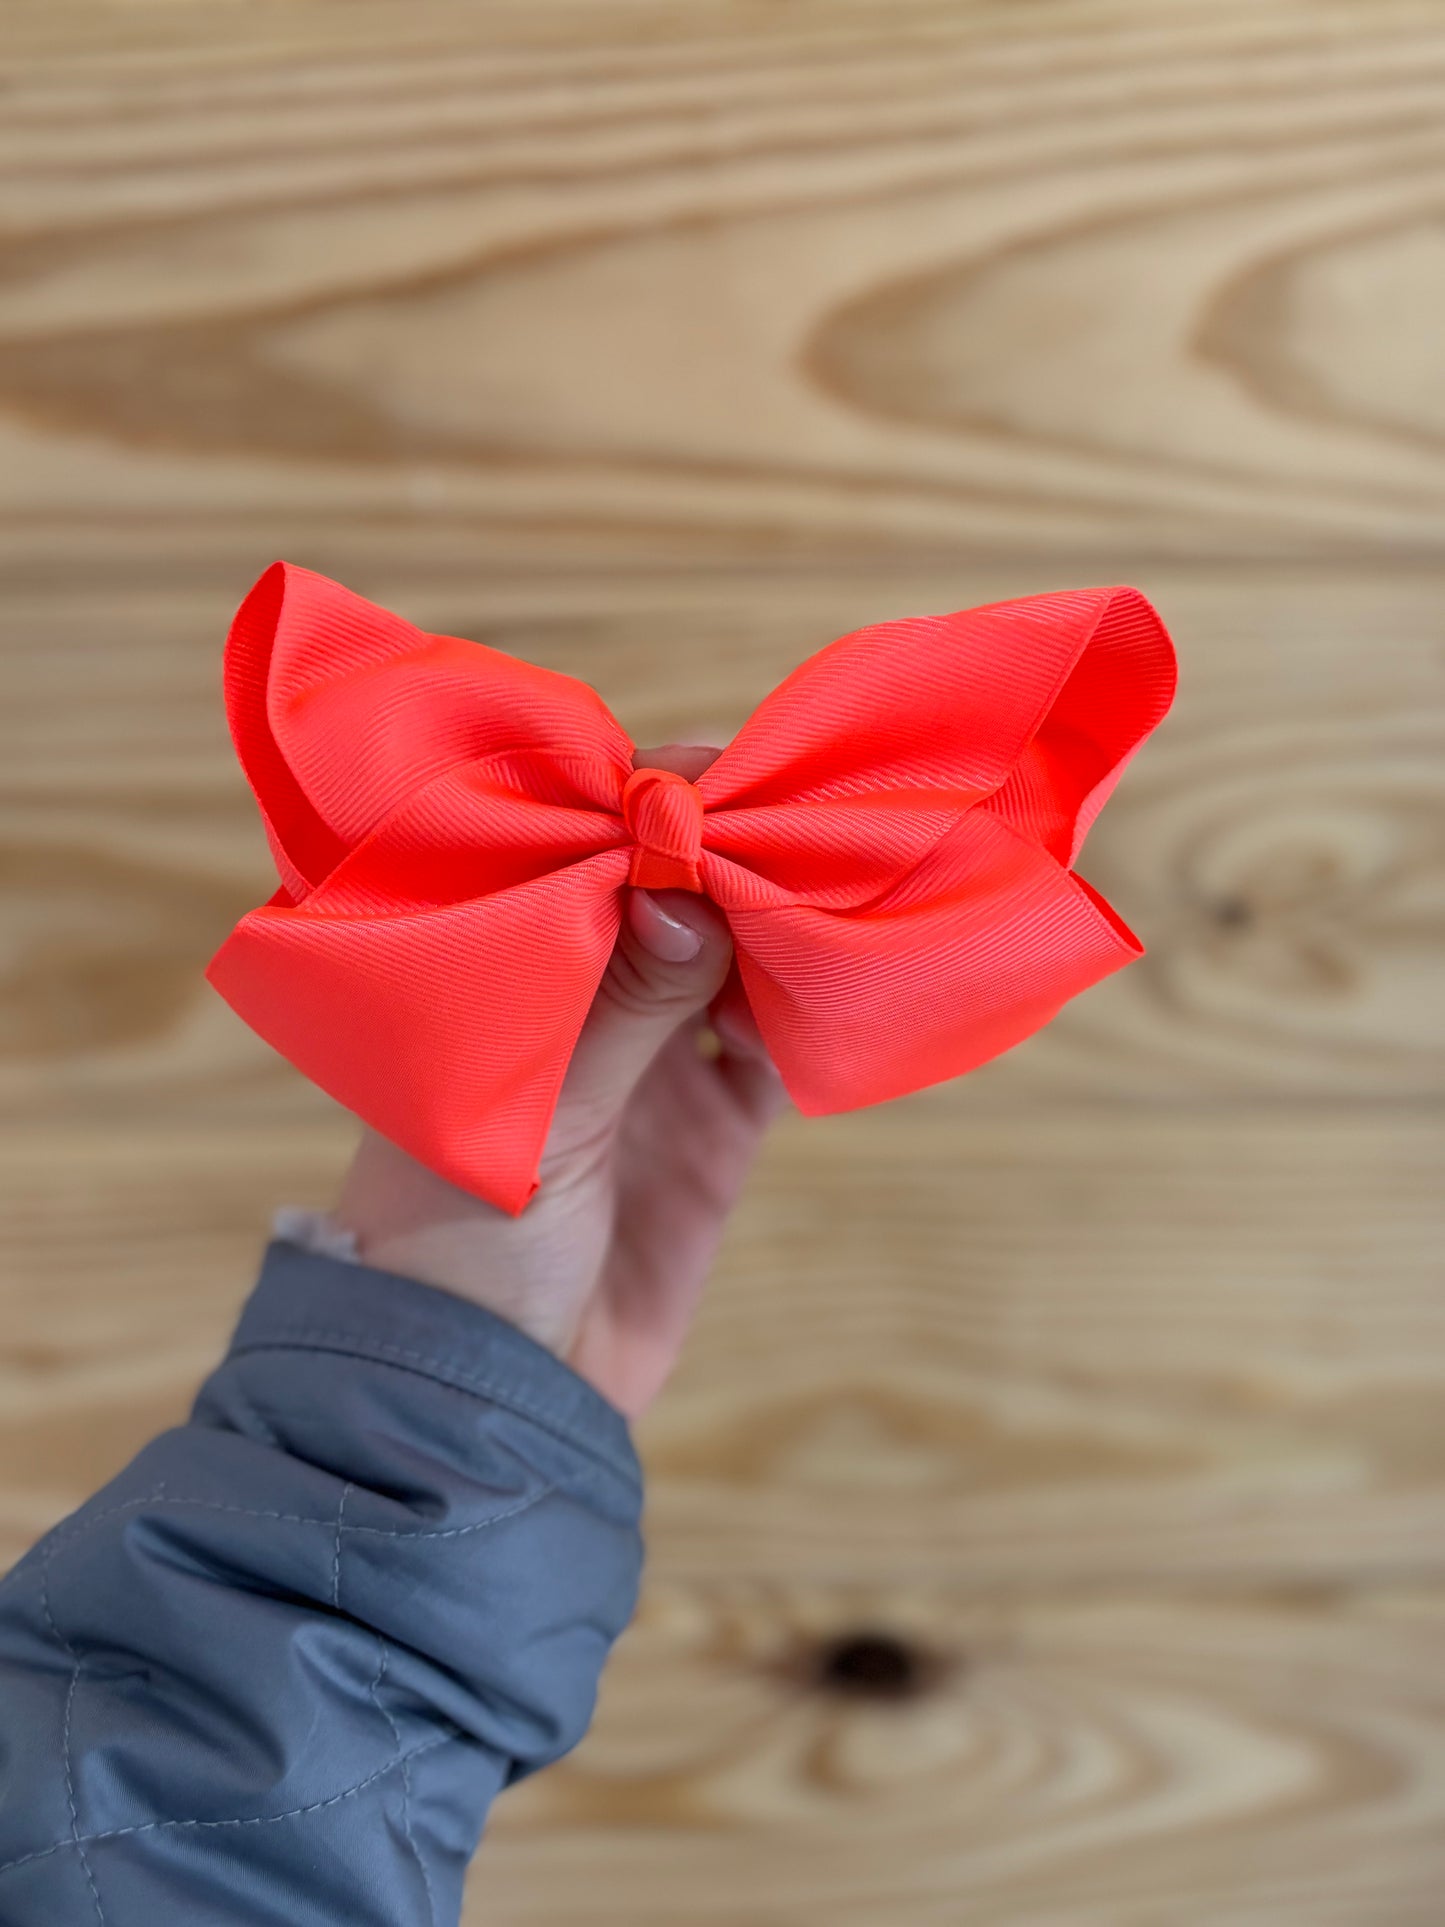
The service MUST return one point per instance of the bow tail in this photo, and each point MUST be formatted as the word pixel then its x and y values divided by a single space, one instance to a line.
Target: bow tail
pixel 449 1028
pixel 974 950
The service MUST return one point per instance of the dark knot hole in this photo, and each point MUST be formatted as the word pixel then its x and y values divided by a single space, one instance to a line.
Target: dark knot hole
pixel 871 1665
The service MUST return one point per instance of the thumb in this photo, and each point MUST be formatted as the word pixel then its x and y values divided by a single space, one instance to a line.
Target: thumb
pixel 670 962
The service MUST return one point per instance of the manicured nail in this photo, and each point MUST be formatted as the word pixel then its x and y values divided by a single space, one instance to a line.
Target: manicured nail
pixel 668 938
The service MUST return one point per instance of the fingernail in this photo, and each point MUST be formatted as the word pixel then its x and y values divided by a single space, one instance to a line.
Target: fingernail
pixel 668 938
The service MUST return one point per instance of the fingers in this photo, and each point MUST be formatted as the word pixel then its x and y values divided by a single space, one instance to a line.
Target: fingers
pixel 745 1066
pixel 686 1142
pixel 671 960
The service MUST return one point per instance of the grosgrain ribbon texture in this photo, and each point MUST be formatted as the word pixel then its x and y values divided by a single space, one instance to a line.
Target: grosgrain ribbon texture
pixel 891 837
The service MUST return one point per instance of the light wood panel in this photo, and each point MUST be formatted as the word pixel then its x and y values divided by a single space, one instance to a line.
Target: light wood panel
pixel 661 345
pixel 897 276
pixel 1111 1764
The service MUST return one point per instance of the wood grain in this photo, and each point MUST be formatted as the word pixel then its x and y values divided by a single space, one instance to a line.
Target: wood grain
pixel 1106 1764
pixel 1101 1390
pixel 857 287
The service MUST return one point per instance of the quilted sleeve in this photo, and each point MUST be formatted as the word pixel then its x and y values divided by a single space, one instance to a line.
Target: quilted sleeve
pixel 279 1668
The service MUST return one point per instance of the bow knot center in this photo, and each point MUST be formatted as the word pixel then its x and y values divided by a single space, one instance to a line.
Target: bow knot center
pixel 663 815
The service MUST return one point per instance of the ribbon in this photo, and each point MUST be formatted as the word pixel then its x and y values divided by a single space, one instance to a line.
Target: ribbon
pixel 890 836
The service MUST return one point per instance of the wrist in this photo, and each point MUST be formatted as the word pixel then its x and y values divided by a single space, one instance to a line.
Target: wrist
pixel 400 1216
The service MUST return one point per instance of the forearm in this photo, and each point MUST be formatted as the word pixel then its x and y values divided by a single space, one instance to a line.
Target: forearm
pixel 277 1670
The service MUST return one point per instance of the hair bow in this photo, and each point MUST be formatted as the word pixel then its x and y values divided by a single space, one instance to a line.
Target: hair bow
pixel 890 836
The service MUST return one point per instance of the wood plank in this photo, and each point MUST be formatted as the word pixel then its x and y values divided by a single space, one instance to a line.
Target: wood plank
pixel 1060 1764
pixel 871 282
pixel 1050 1348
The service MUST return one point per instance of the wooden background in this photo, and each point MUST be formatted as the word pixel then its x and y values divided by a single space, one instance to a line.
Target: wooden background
pixel 1101 1396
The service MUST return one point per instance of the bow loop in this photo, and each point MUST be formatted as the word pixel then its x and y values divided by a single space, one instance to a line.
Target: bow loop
pixel 663 815
pixel 343 714
pixel 890 837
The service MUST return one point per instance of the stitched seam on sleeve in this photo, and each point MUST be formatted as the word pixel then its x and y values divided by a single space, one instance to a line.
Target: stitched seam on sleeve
pixel 62 1541
pixel 512 1511
pixel 70 1691
pixel 336 1525
pixel 444 1371
pixel 256 1820
pixel 336 1548
pixel 374 1695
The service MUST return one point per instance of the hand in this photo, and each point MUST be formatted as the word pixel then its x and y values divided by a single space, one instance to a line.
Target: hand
pixel 646 1156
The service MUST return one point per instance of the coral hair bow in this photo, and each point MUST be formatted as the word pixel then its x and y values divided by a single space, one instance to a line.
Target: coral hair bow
pixel 890 837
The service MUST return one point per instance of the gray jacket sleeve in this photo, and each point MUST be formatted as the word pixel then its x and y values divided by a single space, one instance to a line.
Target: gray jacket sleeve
pixel 276 1671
